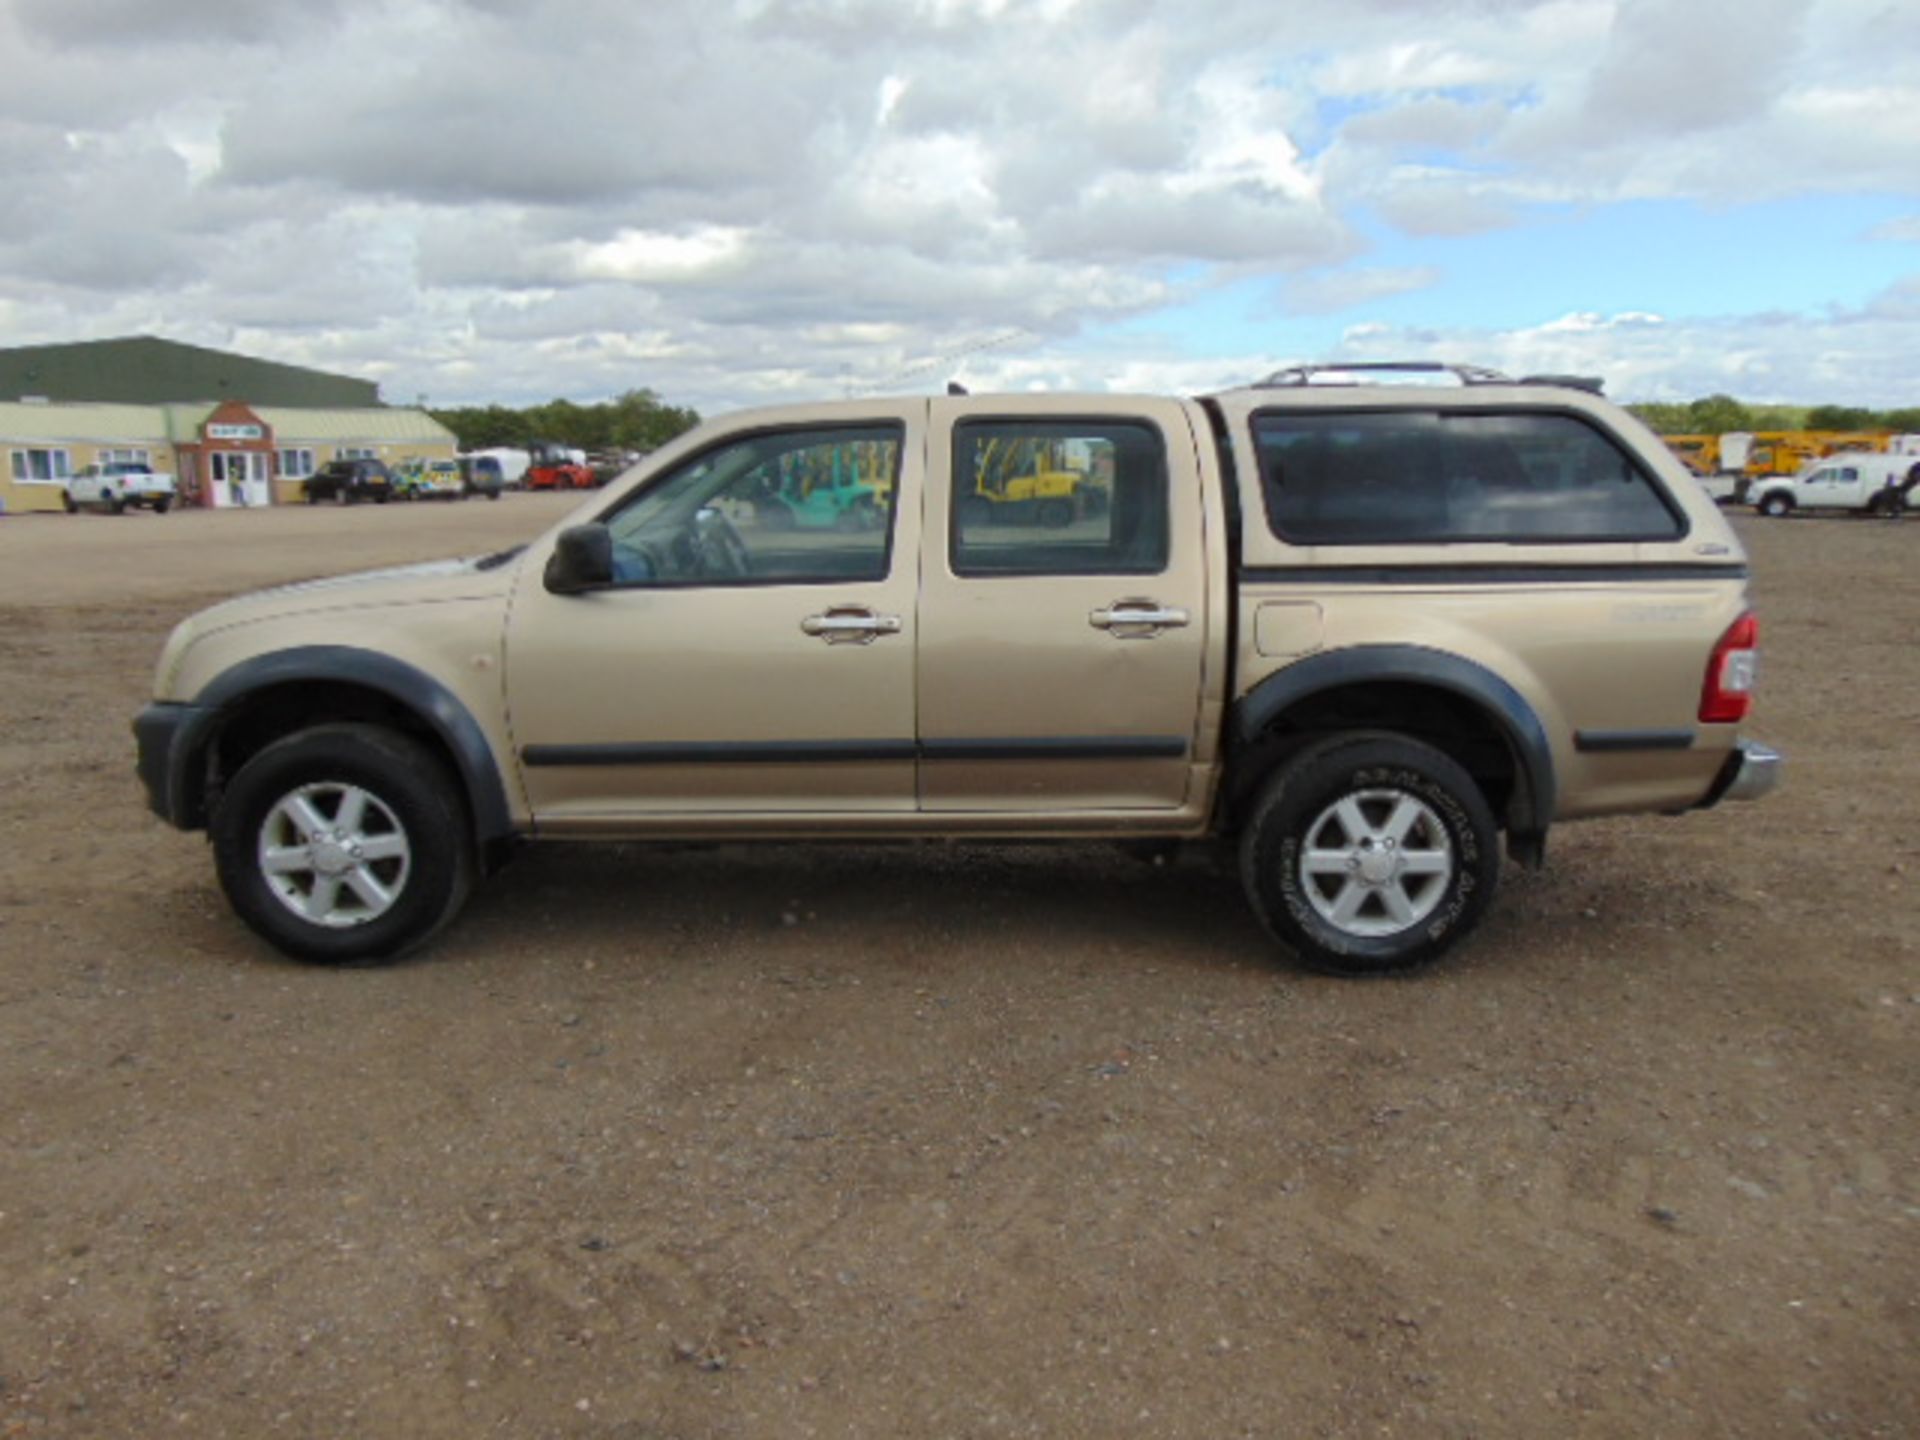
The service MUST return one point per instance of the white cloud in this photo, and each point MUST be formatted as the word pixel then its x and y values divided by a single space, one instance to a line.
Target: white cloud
pixel 1861 356
pixel 1347 289
pixel 651 257
pixel 513 199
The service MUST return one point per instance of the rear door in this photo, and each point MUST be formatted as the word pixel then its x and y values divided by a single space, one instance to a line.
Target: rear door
pixel 1062 641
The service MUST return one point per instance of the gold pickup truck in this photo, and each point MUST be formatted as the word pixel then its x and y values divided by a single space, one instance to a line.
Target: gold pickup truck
pixel 1367 628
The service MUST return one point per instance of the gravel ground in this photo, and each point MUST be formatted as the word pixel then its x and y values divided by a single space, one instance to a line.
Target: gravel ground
pixel 921 1141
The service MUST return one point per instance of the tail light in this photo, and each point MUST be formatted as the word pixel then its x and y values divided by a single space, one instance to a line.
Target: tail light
pixel 1727 694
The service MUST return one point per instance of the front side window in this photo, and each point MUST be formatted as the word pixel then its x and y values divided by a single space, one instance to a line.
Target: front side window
pixel 1374 478
pixel 41 465
pixel 1069 497
pixel 791 507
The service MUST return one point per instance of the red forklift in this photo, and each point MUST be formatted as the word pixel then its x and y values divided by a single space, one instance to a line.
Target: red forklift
pixel 551 466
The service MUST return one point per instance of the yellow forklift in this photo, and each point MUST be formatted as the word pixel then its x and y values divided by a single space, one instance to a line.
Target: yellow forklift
pixel 1032 480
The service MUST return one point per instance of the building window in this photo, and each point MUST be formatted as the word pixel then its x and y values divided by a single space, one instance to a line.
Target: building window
pixel 40 466
pixel 124 457
pixel 356 452
pixel 296 464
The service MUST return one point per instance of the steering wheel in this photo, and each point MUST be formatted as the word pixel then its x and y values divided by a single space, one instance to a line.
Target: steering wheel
pixel 721 550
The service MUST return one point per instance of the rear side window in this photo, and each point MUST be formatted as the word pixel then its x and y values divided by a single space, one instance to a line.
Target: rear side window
pixel 1050 497
pixel 1424 477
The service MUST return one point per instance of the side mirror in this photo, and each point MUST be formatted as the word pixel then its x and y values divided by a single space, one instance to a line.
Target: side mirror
pixel 581 561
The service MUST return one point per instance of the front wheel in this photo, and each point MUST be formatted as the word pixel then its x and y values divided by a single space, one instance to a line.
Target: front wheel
pixel 1776 506
pixel 71 505
pixel 343 843
pixel 1369 853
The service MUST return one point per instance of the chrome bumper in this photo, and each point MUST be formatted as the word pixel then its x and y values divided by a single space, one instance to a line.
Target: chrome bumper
pixel 1750 772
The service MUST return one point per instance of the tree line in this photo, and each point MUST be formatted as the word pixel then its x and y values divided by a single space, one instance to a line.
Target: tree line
pixel 637 420
pixel 640 420
pixel 1717 414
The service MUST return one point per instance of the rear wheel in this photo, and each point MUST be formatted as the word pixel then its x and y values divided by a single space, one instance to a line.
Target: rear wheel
pixel 1056 514
pixel 68 502
pixel 343 843
pixel 162 505
pixel 1776 506
pixel 1369 853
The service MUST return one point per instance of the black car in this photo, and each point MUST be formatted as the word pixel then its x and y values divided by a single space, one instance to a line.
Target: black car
pixel 347 481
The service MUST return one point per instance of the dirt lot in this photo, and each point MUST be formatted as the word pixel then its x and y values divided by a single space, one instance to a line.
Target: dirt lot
pixel 914 1142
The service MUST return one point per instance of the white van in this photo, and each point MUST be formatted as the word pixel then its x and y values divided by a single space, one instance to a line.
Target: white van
pixel 1870 483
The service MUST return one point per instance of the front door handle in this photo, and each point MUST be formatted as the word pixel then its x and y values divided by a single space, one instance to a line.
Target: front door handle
pixel 850 625
pixel 1137 619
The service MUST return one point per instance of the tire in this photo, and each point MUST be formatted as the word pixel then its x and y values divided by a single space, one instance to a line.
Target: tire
pixel 1777 507
pixel 336 906
pixel 68 503
pixel 1056 514
pixel 116 505
pixel 313 496
pixel 162 505
pixel 1331 884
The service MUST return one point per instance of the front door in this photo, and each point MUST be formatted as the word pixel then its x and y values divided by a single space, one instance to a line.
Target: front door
pixel 1836 485
pixel 1063 611
pixel 240 478
pixel 747 669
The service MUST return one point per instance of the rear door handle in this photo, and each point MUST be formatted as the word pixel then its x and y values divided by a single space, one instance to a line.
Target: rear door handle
pixel 850 625
pixel 1138 619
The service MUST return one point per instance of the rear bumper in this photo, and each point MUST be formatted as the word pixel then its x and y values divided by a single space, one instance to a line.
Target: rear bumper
pixel 1751 771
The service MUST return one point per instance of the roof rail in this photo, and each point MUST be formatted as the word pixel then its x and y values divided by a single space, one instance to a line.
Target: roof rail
pixel 1592 384
pixel 1360 372
pixel 1371 372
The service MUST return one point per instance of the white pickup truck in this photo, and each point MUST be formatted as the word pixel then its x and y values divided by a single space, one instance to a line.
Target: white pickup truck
pixel 113 485
pixel 1865 482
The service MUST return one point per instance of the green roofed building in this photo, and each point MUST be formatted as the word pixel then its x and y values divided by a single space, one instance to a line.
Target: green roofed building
pixel 234 430
pixel 145 370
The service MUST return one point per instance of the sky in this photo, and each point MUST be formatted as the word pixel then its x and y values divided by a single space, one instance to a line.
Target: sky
pixel 743 202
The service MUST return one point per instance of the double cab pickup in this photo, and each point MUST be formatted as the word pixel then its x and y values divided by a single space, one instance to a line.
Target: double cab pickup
pixel 1370 630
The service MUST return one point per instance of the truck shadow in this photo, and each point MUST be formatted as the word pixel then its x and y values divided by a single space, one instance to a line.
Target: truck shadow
pixel 936 902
